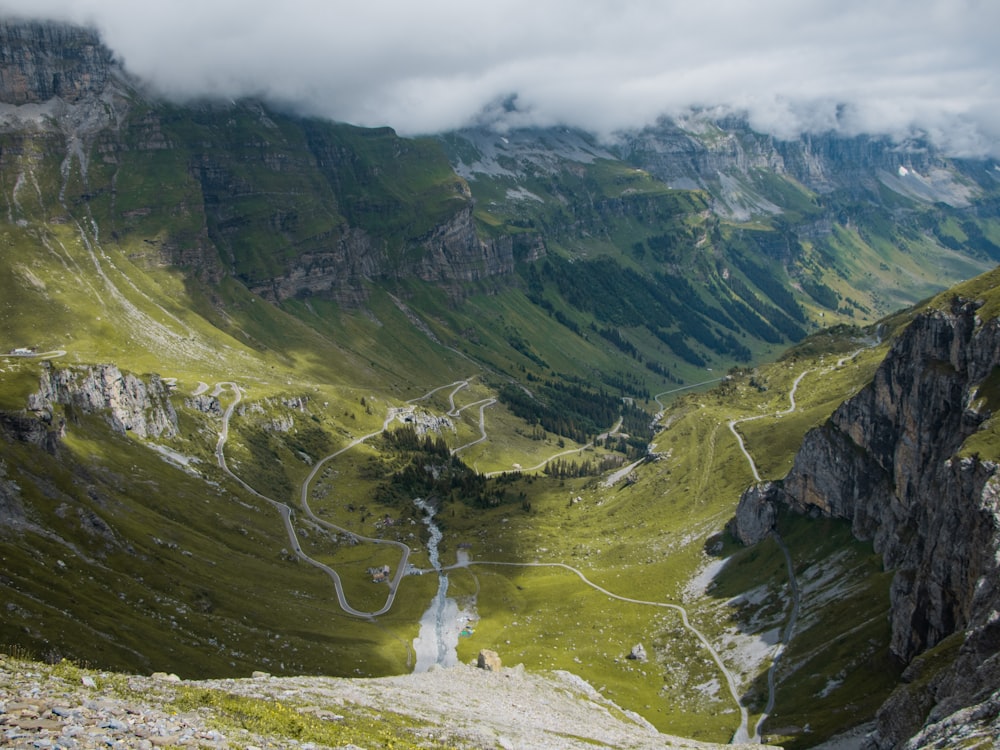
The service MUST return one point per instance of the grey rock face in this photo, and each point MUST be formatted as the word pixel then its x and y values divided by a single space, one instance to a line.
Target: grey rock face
pixel 41 61
pixel 755 514
pixel 681 155
pixel 887 461
pixel 130 403
pixel 452 252
pixel 27 428
pixel 638 653
pixel 205 404
pixel 489 660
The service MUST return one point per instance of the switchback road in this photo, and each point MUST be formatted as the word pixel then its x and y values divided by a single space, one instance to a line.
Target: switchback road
pixel 402 568
pixel 286 511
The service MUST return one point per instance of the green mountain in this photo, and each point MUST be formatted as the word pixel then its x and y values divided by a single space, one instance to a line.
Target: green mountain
pixel 244 343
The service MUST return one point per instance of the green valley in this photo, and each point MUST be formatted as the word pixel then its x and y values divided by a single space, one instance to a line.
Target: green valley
pixel 559 344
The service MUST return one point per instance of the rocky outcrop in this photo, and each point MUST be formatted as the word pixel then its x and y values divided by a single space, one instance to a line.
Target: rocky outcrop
pixel 451 253
pixel 638 653
pixel 339 271
pixel 489 660
pixel 755 514
pixel 454 252
pixel 723 155
pixel 205 404
pixel 42 61
pixel 130 404
pixel 889 460
pixel 40 429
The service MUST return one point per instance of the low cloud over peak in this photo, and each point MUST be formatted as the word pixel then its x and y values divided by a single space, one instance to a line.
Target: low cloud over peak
pixel 874 66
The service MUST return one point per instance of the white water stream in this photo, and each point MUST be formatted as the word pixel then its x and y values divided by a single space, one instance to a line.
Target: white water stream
pixel 437 641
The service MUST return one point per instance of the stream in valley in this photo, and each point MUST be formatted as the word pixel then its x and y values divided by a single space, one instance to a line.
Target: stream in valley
pixel 437 641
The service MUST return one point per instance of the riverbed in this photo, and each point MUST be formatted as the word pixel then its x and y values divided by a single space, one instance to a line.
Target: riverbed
pixel 442 622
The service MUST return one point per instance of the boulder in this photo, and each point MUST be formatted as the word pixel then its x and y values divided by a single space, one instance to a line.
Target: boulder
pixel 638 653
pixel 756 514
pixel 489 660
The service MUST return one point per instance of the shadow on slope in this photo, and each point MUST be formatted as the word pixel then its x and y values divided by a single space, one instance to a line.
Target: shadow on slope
pixel 836 670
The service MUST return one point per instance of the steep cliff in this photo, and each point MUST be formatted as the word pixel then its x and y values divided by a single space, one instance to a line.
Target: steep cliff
pixel 129 403
pixel 451 253
pixel 289 206
pixel 733 162
pixel 41 61
pixel 891 461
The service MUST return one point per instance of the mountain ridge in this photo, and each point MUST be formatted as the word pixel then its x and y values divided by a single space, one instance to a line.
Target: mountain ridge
pixel 322 282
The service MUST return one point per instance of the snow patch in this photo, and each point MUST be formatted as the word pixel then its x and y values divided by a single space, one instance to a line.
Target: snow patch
pixel 173 457
pixel 698 585
pixel 831 685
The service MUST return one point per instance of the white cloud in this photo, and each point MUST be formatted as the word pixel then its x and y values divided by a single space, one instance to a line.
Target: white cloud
pixel 881 66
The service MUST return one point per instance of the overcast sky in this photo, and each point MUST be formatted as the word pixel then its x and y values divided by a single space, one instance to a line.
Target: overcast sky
pixel 877 66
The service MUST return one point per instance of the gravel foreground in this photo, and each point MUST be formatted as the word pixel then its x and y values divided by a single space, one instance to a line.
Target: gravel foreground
pixel 63 706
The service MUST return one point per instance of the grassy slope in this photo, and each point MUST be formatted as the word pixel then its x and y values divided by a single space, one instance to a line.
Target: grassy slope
pixel 861 264
pixel 239 603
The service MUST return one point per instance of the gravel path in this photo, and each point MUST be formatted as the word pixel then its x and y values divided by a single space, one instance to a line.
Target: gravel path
pixel 743 734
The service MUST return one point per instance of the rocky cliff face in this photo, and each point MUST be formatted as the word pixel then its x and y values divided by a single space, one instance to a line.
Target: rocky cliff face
pixel 130 404
pixel 58 83
pixel 454 252
pixel 42 61
pixel 725 157
pixel 451 253
pixel 888 461
pixel 288 206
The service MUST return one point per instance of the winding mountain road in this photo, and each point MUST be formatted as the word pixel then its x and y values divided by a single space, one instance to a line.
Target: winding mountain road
pixel 786 636
pixel 401 568
pixel 789 410
pixel 459 385
pixel 286 511
pixel 483 405
pixel 659 403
